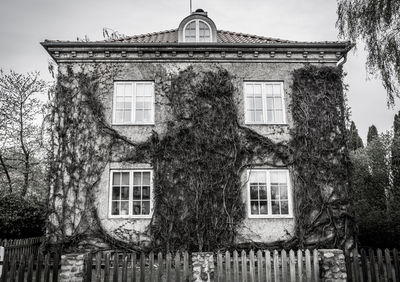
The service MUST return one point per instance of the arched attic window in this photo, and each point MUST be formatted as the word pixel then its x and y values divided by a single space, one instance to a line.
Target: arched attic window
pixel 197 31
pixel 197 28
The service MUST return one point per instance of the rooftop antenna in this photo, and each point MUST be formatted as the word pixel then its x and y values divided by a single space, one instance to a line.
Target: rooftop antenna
pixel 190 6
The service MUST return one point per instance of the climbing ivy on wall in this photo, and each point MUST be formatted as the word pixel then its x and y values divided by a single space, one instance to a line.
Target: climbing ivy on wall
pixel 199 159
pixel 320 158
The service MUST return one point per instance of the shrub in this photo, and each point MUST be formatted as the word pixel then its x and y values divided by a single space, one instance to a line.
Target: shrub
pixel 21 217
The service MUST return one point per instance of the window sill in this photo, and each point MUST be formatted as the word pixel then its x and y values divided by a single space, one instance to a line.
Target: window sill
pixel 133 124
pixel 270 216
pixel 280 124
pixel 129 216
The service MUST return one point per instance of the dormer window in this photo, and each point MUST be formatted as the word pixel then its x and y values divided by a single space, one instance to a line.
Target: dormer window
pixel 197 27
pixel 197 31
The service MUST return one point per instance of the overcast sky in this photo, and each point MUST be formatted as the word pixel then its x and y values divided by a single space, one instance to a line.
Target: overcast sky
pixel 25 23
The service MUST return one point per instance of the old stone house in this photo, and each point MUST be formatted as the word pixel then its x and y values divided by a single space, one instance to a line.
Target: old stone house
pixel 134 106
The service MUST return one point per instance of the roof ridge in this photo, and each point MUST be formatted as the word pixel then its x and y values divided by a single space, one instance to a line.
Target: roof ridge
pixel 255 36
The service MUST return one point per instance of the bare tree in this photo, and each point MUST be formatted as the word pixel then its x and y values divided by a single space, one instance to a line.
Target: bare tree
pixel 20 137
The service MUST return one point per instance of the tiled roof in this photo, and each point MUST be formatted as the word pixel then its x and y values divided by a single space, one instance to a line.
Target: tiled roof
pixel 171 36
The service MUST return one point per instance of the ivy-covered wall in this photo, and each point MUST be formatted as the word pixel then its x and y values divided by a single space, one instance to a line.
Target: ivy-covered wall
pixel 86 146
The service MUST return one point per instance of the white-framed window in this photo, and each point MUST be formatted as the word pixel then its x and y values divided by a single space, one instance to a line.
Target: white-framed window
pixel 131 193
pixel 264 103
pixel 133 102
pixel 197 31
pixel 269 193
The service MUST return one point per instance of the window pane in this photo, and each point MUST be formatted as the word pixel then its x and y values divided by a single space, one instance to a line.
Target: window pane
pixel 146 178
pixel 276 89
pixel 119 116
pixel 115 208
pixel 268 89
pixel 146 192
pixel 116 178
pixel 139 104
pixel 127 117
pixel 257 176
pixel 284 192
pixel 137 178
pixel 190 32
pixel 258 103
pixel 139 115
pixel 263 207
pixel 115 193
pixel 136 193
pixel 146 207
pixel 250 103
pixel 248 88
pixel 254 207
pixel 253 192
pixel 136 207
pixel 270 116
pixel 257 89
pixel 124 208
pixel 278 177
pixel 258 116
pixel 124 193
pixel 278 103
pixel 263 193
pixel 125 178
pixel 204 32
pixel 284 207
pixel 270 103
pixel 275 207
pixel 278 116
pixel 274 192
pixel 147 115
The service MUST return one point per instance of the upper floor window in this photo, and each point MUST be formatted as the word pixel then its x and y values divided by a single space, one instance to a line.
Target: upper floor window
pixel 131 193
pixel 264 103
pixel 197 31
pixel 133 102
pixel 269 193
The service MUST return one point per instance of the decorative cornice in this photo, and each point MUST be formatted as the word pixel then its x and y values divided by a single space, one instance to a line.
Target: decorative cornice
pixel 282 52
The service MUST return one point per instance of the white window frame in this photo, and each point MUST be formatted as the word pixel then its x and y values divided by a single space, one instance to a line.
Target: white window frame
pixel 264 102
pixel 197 21
pixel 130 215
pixel 134 91
pixel 270 215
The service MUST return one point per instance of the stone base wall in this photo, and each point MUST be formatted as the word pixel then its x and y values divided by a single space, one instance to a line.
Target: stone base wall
pixel 72 268
pixel 333 265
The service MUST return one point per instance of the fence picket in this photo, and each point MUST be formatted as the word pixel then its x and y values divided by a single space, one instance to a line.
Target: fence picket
pixel 364 265
pixel 47 267
pixel 160 266
pixel 251 266
pixel 373 265
pixel 29 275
pixel 300 265
pixel 89 263
pixel 98 267
pixel 124 268
pixel 396 265
pixel 56 262
pixel 381 266
pixel 134 258
pixel 316 265
pixel 219 267
pixel 151 266
pixel 115 268
pixel 39 268
pixel 177 267
pixel 292 266
pixel 186 267
pixel 284 265
pixel 142 267
pixel 244 267
pixel 228 274
pixel 107 268
pixel 276 266
pixel 21 269
pixel 235 266
pixel 268 273
pixel 308 265
pixel 168 267
pixel 388 265
pixel 259 266
pixel 13 266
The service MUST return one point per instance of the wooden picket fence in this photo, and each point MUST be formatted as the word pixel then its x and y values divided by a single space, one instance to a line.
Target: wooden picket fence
pixel 253 266
pixel 373 265
pixel 30 268
pixel 18 247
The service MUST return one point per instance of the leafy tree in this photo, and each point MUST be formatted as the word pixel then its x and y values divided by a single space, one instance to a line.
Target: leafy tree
pixel 377 23
pixel 354 140
pixel 372 133
pixel 20 131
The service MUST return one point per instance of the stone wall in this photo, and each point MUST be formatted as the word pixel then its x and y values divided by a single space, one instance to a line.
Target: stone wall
pixel 72 268
pixel 333 265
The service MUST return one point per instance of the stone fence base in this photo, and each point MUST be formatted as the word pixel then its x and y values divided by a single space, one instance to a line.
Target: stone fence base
pixel 332 266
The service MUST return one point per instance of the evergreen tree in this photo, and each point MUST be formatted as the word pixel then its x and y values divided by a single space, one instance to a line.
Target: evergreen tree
pixel 354 141
pixel 395 162
pixel 372 133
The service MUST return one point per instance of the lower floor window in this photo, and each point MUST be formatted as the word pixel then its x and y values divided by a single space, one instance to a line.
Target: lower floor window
pixel 131 193
pixel 269 193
